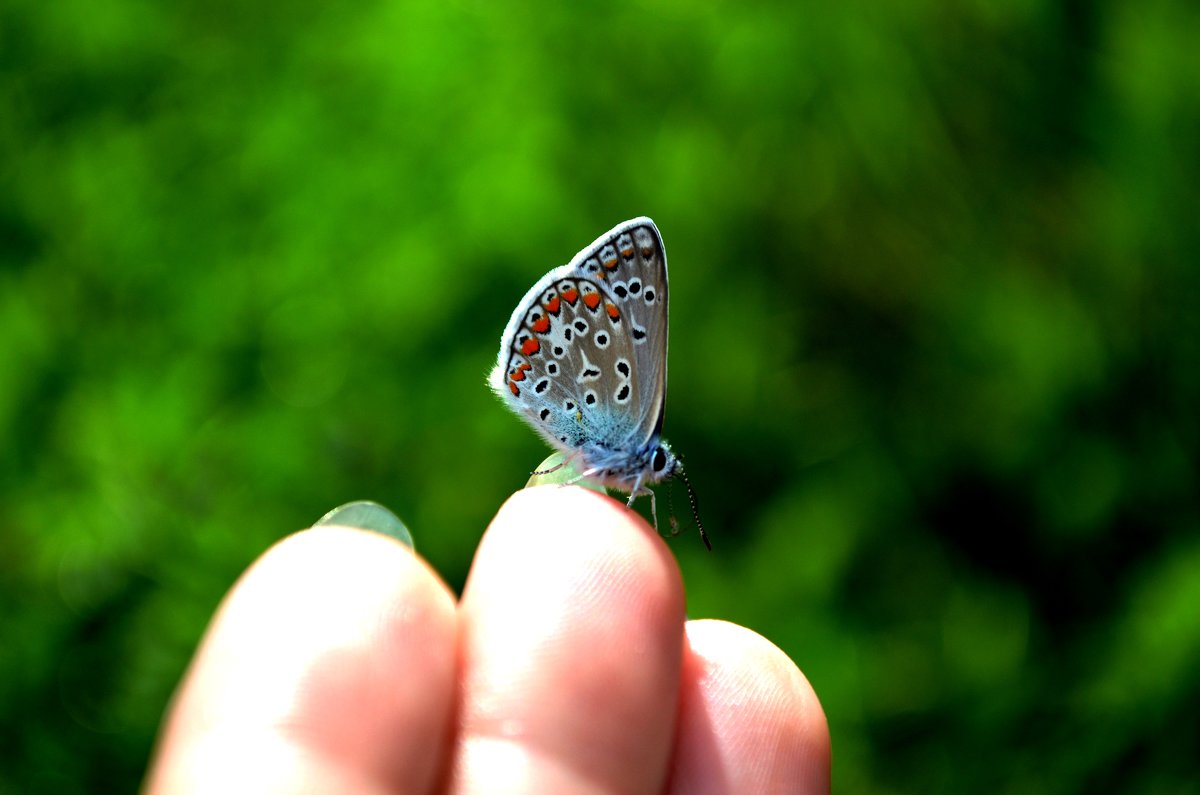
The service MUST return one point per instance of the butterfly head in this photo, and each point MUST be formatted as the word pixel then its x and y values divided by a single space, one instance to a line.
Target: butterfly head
pixel 665 465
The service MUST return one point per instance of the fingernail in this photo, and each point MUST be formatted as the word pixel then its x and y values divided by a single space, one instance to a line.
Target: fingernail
pixel 367 515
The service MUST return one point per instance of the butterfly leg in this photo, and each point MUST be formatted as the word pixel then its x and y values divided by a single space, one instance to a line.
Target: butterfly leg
pixel 581 476
pixel 638 491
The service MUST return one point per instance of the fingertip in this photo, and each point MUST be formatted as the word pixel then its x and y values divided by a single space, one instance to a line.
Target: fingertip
pixel 573 608
pixel 750 720
pixel 583 544
pixel 338 643
pixel 593 516
pixel 315 587
pixel 741 659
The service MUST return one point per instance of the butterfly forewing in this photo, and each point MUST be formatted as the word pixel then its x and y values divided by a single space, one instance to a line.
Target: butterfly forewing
pixel 584 356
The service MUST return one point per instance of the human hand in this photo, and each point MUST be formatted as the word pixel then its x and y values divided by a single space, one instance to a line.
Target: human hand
pixel 340 662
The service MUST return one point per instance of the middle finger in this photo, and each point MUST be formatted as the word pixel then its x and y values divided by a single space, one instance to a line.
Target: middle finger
pixel 571 642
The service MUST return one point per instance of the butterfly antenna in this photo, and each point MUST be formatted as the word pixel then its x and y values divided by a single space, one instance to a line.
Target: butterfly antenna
pixel 695 509
pixel 566 460
pixel 554 468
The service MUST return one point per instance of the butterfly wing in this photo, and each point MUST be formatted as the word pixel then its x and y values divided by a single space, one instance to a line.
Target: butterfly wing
pixel 583 359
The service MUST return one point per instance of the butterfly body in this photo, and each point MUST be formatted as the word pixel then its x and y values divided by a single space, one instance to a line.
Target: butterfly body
pixel 583 360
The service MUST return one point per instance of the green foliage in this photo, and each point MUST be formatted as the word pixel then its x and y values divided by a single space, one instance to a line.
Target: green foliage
pixel 935 353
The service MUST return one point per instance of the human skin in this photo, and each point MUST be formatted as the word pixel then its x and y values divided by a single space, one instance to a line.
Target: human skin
pixel 340 662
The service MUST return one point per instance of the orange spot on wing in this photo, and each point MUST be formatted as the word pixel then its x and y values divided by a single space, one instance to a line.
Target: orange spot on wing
pixel 552 305
pixel 531 347
pixel 612 310
pixel 541 325
pixel 517 375
pixel 571 295
pixel 591 300
pixel 516 392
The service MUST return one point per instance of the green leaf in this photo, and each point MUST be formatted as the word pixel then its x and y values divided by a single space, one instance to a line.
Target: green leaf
pixel 556 469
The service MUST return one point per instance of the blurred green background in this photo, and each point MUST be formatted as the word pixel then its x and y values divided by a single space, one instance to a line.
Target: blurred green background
pixel 935 341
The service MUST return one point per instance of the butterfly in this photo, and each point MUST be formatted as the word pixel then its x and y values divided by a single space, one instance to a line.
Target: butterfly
pixel 584 362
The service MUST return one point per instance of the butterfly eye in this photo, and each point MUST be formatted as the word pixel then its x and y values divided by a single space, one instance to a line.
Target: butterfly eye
pixel 660 460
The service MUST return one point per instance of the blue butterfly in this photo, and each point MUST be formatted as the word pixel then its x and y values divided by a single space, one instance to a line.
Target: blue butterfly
pixel 584 361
